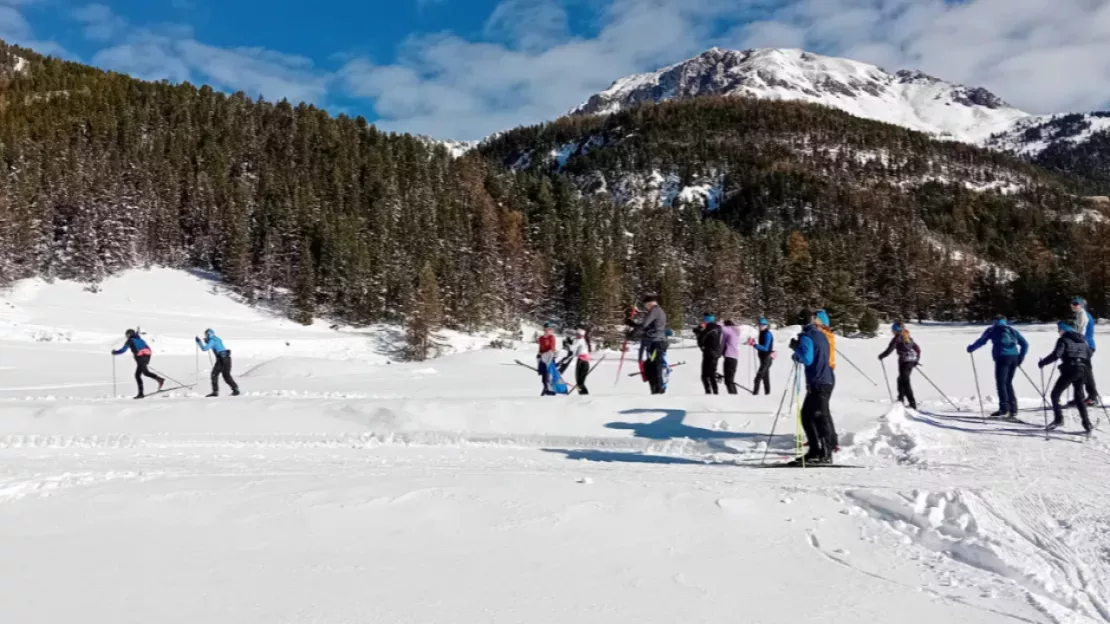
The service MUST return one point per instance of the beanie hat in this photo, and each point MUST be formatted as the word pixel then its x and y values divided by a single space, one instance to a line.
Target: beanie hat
pixel 763 322
pixel 823 317
pixel 709 318
pixel 651 299
pixel 1000 320
pixel 1064 327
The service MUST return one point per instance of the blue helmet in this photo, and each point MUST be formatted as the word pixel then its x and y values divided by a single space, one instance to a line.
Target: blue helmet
pixel 763 322
pixel 1064 327
pixel 896 327
pixel 709 317
pixel 1001 321
pixel 208 333
pixel 823 317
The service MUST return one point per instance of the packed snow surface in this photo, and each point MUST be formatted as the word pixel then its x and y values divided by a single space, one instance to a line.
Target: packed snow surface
pixel 344 488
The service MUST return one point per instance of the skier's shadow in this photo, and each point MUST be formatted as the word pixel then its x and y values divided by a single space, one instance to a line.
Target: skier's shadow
pixel 671 426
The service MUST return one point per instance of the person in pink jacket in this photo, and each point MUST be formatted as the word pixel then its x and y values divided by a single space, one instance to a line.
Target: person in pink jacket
pixel 730 347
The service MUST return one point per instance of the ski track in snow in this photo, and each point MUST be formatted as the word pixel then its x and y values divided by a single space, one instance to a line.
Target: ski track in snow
pixel 348 490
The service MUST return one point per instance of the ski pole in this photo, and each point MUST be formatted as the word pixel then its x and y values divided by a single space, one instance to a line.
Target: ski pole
pixel 950 402
pixel 778 413
pixel 161 374
pixel 886 378
pixel 975 371
pixel 1044 403
pixel 842 356
pixel 799 428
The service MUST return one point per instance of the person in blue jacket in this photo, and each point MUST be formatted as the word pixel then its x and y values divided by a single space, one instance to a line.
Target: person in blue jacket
pixel 1085 326
pixel 765 348
pixel 814 352
pixel 1008 349
pixel 223 362
pixel 141 351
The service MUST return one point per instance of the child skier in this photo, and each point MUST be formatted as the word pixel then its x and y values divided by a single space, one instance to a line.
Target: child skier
pixel 908 355
pixel 730 347
pixel 141 351
pixel 223 362
pixel 709 341
pixel 580 351
pixel 1074 355
pixel 1008 347
pixel 651 328
pixel 814 351
pixel 765 348
pixel 545 357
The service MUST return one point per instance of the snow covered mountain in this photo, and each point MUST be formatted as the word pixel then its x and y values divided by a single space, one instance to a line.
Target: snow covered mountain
pixel 907 98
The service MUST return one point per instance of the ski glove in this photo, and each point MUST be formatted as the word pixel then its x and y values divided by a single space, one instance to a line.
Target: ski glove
pixel 1041 364
pixel 970 349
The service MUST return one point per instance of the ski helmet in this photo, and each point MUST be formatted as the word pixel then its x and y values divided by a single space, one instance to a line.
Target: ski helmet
pixel 709 317
pixel 823 318
pixel 896 327
pixel 1064 327
pixel 208 333
pixel 763 322
pixel 129 333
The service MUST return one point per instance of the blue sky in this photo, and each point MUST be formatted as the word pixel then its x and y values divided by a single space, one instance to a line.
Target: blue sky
pixel 465 68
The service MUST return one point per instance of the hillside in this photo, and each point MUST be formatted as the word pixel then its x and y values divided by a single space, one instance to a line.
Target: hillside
pixel 732 204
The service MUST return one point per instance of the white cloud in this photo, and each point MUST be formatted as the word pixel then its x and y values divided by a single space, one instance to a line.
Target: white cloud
pixel 101 24
pixel 529 24
pixel 14 28
pixel 1041 56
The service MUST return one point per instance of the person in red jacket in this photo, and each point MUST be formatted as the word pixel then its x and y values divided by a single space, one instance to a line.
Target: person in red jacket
pixel 549 346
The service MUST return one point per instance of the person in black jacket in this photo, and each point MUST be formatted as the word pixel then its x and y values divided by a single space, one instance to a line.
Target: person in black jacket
pixel 709 341
pixel 1075 357
pixel 908 355
pixel 765 347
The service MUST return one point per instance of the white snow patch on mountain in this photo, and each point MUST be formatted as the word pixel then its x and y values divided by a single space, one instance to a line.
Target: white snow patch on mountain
pixel 21 65
pixel 1032 135
pixel 906 98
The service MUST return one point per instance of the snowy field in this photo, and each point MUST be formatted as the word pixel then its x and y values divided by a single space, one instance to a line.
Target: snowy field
pixel 341 488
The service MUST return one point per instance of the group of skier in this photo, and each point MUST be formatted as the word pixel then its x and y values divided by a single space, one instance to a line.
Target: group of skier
pixel 141 350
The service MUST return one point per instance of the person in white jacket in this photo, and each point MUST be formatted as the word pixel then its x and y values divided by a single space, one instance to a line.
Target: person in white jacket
pixel 580 351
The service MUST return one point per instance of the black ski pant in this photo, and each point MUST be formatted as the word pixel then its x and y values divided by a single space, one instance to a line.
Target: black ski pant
pixel 653 365
pixel 730 374
pixel 223 367
pixel 709 373
pixel 1074 377
pixel 581 371
pixel 141 370
pixel 1092 390
pixel 905 390
pixel 763 374
pixel 1005 367
pixel 817 421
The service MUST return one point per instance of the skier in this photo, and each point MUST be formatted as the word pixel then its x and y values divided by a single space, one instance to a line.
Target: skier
pixel 821 320
pixel 813 350
pixel 141 351
pixel 548 346
pixel 908 355
pixel 765 347
pixel 651 327
pixel 1075 358
pixel 1085 326
pixel 1008 348
pixel 709 341
pixel 223 362
pixel 730 347
pixel 580 351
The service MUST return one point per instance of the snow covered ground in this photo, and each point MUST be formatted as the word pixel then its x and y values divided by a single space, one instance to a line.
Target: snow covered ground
pixel 341 488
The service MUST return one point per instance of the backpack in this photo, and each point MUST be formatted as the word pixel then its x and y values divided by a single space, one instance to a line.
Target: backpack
pixel 1007 340
pixel 907 353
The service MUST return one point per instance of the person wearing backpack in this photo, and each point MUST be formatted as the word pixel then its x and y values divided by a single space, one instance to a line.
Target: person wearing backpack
pixel 908 356
pixel 709 341
pixel 1008 347
pixel 1074 354
pixel 1085 326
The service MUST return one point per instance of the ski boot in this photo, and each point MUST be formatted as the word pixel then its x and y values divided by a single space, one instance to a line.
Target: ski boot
pixel 139 396
pixel 161 382
pixel 212 395
pixel 235 392
pixel 999 413
pixel 1093 402
pixel 1054 425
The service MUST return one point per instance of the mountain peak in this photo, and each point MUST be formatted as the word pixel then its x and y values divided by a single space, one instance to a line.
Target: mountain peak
pixel 908 98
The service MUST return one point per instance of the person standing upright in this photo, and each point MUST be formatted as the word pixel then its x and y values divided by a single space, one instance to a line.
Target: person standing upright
pixel 580 351
pixel 1085 326
pixel 709 341
pixel 814 352
pixel 730 348
pixel 764 347
pixel 908 355
pixel 651 328
pixel 223 362
pixel 1008 348
pixel 549 346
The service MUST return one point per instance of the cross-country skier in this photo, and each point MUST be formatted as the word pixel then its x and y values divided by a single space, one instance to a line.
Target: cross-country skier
pixel 765 348
pixel 651 327
pixel 1085 326
pixel 1008 347
pixel 813 350
pixel 908 355
pixel 223 362
pixel 141 351
pixel 709 341
pixel 1075 357
pixel 730 347
pixel 580 351
pixel 548 348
